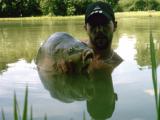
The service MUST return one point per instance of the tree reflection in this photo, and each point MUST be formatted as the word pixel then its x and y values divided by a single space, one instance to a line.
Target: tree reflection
pixel 139 27
pixel 21 40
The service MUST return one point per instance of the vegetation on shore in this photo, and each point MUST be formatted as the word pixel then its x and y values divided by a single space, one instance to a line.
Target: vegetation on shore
pixel 117 14
pixel 24 8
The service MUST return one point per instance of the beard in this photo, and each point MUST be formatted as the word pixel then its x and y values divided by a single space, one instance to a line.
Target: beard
pixel 101 41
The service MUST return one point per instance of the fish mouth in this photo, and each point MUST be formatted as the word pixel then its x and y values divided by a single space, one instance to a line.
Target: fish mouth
pixel 80 62
pixel 87 58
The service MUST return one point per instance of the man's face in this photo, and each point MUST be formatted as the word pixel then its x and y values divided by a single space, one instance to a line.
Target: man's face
pixel 100 31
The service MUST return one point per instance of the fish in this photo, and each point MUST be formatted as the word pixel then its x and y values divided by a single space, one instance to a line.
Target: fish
pixel 62 53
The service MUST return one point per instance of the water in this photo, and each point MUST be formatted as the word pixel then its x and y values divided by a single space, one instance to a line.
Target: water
pixel 130 82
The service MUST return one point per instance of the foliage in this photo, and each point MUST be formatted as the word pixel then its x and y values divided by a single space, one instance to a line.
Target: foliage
pixel 80 6
pixel 144 5
pixel 113 3
pixel 47 6
pixel 64 7
pixel 139 5
pixel 153 5
pixel 14 8
pixel 17 8
pixel 16 112
pixel 154 75
pixel 70 8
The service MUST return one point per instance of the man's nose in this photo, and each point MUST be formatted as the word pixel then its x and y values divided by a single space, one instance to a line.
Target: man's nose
pixel 99 28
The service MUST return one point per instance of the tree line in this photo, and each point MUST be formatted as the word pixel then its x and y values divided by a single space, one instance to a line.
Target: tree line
pixel 23 8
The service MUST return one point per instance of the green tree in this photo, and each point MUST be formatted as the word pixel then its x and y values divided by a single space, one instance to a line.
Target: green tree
pixel 16 8
pixel 70 7
pixel 113 3
pixel 54 7
pixel 139 5
pixel 7 8
pixel 152 5
pixel 60 7
pixel 30 7
pixel 81 5
pixel 47 7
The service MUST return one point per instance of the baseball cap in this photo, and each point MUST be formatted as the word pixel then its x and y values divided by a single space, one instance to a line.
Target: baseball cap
pixel 99 8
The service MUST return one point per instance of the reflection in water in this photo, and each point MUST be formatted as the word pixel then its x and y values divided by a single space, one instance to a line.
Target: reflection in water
pixel 102 104
pixel 96 88
pixel 67 88
pixel 30 34
pixel 127 43
pixel 138 28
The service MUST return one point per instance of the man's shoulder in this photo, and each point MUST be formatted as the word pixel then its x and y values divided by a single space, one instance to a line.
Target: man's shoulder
pixel 115 60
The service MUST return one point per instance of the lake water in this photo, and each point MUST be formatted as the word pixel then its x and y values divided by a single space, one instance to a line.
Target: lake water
pixel 130 83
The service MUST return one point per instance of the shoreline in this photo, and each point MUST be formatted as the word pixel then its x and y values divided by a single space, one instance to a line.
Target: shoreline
pixel 117 15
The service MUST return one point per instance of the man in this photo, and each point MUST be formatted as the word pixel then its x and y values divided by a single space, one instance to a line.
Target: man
pixel 100 25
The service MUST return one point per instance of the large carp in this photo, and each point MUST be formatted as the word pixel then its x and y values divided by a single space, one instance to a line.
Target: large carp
pixel 62 53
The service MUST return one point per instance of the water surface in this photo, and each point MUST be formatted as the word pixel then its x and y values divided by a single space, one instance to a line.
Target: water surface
pixel 127 92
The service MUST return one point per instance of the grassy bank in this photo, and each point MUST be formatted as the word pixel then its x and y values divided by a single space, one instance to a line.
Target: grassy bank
pixel 45 18
pixel 118 14
pixel 138 14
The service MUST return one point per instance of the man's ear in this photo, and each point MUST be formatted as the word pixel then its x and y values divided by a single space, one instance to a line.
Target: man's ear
pixel 115 25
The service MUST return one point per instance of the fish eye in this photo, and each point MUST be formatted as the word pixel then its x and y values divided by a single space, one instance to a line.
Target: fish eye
pixel 70 50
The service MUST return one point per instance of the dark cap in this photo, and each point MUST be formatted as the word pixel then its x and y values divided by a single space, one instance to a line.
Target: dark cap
pixel 99 8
